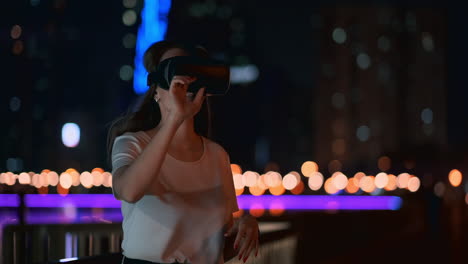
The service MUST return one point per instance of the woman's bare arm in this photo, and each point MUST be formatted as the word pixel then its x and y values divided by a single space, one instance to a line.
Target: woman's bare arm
pixel 131 182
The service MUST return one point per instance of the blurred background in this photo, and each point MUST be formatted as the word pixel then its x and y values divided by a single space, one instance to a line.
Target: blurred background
pixel 345 122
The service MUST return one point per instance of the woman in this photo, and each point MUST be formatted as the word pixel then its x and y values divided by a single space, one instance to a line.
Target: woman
pixel 176 186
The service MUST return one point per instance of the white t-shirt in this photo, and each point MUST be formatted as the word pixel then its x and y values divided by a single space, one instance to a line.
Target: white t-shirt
pixel 184 220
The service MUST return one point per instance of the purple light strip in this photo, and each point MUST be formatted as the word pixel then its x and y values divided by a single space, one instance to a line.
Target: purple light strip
pixel 291 202
pixel 81 216
pixel 74 200
pixel 320 202
pixel 9 200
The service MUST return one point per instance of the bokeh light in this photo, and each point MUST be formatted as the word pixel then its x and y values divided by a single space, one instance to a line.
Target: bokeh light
pixel 339 180
pixel 363 133
pixel 129 41
pixel 71 135
pixel 402 180
pixel 384 163
pixel 298 189
pixel 107 182
pixel 62 190
pixel 439 189
pixel 86 179
pixel 18 47
pixel 273 179
pixel 24 178
pixel 455 177
pixel 276 208
pixel 238 181
pixel 256 191
pixel 16 31
pixel 43 181
pixel 66 180
pixel 129 3
pixel 367 184
pixel 330 187
pixel 381 180
pixel 413 184
pixel 308 168
pixel 277 190
pixel 392 183
pixel 339 35
pixel 52 178
pixel 98 179
pixel 250 178
pixel 75 176
pixel 315 181
pixel 363 61
pixel 236 169
pixel 126 72
pixel 353 186
pixel 256 210
pixel 129 17
pixel 290 181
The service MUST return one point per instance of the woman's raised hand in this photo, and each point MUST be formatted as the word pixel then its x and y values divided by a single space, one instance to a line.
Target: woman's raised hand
pixel 181 106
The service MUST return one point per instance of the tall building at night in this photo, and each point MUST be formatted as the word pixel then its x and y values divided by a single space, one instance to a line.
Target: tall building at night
pixel 382 86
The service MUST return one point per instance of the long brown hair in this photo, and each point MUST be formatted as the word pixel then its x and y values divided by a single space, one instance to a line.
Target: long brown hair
pixel 148 115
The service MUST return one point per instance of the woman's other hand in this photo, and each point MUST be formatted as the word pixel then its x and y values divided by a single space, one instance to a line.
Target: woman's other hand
pixel 247 236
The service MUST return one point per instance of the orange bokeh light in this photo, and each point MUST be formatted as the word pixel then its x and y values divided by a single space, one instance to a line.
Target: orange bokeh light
pixel 381 180
pixel 384 163
pixel 239 191
pixel 256 211
pixel 256 191
pixel 298 189
pixel 455 177
pixel 277 190
pixel 413 184
pixel 276 209
pixel 43 190
pixel 352 186
pixel 315 181
pixel 392 183
pixel 367 184
pixel 308 168
pixel 97 169
pixel 236 169
pixel 330 187
pixel 61 190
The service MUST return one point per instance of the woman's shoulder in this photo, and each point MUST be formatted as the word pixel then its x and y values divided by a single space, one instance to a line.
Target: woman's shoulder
pixel 138 136
pixel 215 147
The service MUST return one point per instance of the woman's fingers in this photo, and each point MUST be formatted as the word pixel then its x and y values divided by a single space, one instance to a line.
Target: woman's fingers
pixel 181 81
pixel 245 244
pixel 256 247
pixel 199 97
pixel 250 243
pixel 238 238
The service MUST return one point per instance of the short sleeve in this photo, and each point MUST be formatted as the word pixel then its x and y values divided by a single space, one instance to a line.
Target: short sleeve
pixel 125 150
pixel 231 198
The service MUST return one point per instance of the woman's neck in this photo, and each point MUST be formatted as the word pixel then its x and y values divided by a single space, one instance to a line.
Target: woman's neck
pixel 185 135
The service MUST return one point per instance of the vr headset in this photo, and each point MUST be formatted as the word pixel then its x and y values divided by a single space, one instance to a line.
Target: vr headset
pixel 211 74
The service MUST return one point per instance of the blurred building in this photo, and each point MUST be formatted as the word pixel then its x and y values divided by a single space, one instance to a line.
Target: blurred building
pixel 382 88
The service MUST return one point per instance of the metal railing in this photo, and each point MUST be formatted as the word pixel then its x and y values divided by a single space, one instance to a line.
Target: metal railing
pixel 100 243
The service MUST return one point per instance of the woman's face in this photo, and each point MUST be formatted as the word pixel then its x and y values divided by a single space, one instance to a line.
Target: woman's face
pixel 161 93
